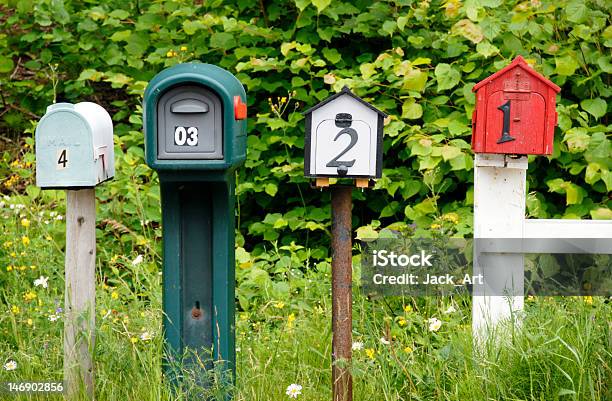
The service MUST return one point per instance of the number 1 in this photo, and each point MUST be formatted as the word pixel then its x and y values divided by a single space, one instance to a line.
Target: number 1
pixel 505 136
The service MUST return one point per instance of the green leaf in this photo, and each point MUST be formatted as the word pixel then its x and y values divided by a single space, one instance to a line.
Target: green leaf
pixel 468 30
pixel 566 65
pixel 119 14
pixel 366 233
pixel 271 189
pixel 389 27
pixel 90 75
pixel 367 70
pixel 120 35
pixel 33 191
pixel 411 188
pixel 447 76
pixel 411 110
pixel 576 11
pixel 577 139
pixel 426 207
pixel 332 55
pixel 450 152
pixel 191 27
pixel 415 80
pixel 593 173
pixel 601 213
pixel 486 49
pixel 6 64
pixel 222 40
pixel 321 4
pixel 302 4
pixel 137 44
pixel 402 21
pixel 595 107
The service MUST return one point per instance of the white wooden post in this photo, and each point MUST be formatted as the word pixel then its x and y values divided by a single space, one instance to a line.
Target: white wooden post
pixel 79 322
pixel 499 212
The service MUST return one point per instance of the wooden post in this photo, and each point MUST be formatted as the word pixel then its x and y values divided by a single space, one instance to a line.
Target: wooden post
pixel 79 322
pixel 342 297
pixel 499 212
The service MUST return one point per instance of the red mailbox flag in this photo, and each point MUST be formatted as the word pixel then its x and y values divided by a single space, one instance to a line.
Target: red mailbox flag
pixel 515 112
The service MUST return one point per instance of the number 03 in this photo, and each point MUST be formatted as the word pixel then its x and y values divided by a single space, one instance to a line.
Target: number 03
pixel 186 136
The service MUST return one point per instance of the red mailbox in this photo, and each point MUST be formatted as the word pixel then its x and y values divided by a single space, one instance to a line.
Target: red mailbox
pixel 515 112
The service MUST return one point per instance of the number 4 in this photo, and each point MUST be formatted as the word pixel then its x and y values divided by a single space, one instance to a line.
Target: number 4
pixel 62 159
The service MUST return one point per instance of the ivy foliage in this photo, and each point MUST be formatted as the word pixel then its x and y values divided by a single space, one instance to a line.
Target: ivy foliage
pixel 415 60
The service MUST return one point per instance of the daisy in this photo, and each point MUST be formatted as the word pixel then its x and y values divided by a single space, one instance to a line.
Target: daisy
pixel 42 281
pixel 10 365
pixel 146 336
pixel 450 309
pixel 434 324
pixel 294 390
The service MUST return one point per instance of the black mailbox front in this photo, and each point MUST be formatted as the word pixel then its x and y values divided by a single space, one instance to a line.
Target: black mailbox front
pixel 190 124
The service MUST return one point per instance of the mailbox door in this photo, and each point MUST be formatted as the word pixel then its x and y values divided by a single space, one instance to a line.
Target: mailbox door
pixel 334 145
pixel 64 151
pixel 189 124
pixel 523 119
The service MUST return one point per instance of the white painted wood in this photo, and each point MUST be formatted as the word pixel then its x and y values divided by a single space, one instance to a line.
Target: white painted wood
pixel 559 228
pixel 499 212
pixel 102 130
pixel 79 318
pixel 324 131
pixel 547 245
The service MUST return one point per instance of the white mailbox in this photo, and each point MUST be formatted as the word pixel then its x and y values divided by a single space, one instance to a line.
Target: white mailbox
pixel 343 138
pixel 74 146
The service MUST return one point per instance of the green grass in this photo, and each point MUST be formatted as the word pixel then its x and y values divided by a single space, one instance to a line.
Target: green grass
pixel 562 351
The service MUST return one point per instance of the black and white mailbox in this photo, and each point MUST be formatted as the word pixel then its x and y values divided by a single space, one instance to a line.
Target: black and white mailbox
pixel 344 135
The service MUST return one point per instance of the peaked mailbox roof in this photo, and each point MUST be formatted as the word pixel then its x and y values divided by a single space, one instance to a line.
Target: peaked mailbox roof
pixel 518 61
pixel 345 91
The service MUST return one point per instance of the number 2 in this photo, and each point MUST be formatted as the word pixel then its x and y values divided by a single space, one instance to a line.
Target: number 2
pixel 335 162
pixel 62 159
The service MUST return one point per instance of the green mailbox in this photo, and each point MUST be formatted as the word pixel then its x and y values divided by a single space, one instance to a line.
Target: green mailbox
pixel 195 137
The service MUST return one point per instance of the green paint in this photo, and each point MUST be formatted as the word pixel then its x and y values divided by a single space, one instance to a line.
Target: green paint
pixel 198 223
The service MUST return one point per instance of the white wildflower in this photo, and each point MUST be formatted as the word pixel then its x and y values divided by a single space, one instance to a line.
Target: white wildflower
pixel 146 336
pixel 357 346
pixel 294 390
pixel 138 260
pixel 53 318
pixel 434 324
pixel 42 281
pixel 384 341
pixel 450 309
pixel 10 365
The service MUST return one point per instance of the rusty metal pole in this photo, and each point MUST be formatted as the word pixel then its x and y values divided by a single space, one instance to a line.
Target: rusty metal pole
pixel 342 297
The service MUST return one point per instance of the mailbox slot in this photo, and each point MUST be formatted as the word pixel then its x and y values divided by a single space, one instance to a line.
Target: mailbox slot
pixel 190 124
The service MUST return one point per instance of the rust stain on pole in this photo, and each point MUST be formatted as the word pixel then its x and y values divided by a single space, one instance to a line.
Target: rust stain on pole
pixel 342 297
